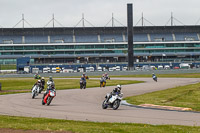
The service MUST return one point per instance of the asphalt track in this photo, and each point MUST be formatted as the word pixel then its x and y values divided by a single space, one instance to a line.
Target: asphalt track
pixel 85 105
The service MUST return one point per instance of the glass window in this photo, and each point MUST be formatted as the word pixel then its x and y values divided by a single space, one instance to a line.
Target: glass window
pixel 6 53
pixel 79 52
pixel 28 47
pixel 189 45
pixel 99 52
pixel 89 52
pixel 38 48
pixel 29 53
pixel 18 53
pixel 18 48
pixel 8 48
pixel 89 46
pixel 120 46
pixel 69 46
pixel 99 46
pixel 69 52
pixel 49 47
pixel 60 47
pixel 80 47
pixel 138 45
pixel 110 46
pixel 59 52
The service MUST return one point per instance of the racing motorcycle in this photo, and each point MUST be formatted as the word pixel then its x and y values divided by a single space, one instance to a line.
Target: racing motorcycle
pixel 155 78
pixel 37 76
pixel 102 83
pixel 82 84
pixel 49 97
pixel 113 101
pixel 35 91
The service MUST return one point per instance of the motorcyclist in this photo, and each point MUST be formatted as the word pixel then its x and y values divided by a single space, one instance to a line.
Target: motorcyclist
pixel 153 75
pixel 115 91
pixel 50 87
pixel 50 80
pixel 103 78
pixel 42 82
pixel 85 76
pixel 83 79
pixel 38 82
pixel 107 76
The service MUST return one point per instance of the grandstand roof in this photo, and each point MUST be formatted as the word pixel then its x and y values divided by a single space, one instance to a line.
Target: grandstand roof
pixel 97 30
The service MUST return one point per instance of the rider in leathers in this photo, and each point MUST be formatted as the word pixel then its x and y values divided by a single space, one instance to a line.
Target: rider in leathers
pixel 42 83
pixel 50 87
pixel 103 79
pixel 115 91
pixel 84 80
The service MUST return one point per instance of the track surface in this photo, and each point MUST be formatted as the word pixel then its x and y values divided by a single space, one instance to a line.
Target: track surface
pixel 85 105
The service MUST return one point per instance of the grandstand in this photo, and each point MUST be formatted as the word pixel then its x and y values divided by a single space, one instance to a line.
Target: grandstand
pixel 99 44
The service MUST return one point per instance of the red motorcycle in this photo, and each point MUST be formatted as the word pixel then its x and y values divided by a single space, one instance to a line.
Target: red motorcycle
pixel 49 97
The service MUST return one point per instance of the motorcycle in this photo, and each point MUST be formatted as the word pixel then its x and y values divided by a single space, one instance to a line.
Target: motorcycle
pixel 113 101
pixel 107 77
pixel 82 84
pixel 155 78
pixel 49 97
pixel 35 91
pixel 102 83
pixel 36 76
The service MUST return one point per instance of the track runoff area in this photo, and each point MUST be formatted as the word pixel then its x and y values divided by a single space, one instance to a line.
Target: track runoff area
pixel 86 105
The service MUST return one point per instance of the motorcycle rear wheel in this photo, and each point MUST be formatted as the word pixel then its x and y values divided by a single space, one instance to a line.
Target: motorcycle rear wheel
pixel 116 104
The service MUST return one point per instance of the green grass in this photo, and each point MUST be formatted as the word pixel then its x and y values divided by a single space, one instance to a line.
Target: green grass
pixel 27 123
pixel 182 96
pixel 7 67
pixel 10 85
pixel 179 75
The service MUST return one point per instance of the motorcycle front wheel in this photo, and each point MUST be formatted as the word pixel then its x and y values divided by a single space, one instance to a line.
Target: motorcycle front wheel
pixel 49 99
pixel 104 106
pixel 33 95
pixel 81 86
pixel 116 104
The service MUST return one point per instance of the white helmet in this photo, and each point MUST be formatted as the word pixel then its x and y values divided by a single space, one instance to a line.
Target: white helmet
pixel 119 86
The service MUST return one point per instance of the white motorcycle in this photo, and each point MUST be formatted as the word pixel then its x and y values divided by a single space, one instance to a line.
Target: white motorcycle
pixel 35 91
pixel 113 101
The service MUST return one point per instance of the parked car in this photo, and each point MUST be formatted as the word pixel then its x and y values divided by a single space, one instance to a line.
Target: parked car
pixel 176 67
pixel 99 69
pixel 166 67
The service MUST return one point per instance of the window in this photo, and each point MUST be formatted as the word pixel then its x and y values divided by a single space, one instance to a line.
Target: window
pixel 99 46
pixel 110 46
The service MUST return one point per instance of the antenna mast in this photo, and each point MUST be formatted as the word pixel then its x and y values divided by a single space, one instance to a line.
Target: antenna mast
pixel 142 19
pixel 83 20
pixel 112 20
pixel 172 19
pixel 22 20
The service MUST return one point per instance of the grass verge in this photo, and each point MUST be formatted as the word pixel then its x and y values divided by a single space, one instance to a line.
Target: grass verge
pixel 27 123
pixel 179 75
pixel 182 96
pixel 7 67
pixel 17 85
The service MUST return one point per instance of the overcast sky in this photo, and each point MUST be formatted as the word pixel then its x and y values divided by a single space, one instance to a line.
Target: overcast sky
pixel 98 12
